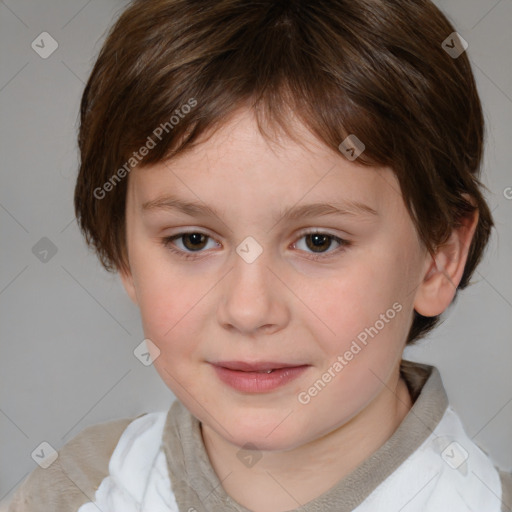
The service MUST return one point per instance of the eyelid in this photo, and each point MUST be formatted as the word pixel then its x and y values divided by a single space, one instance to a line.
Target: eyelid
pixel 312 231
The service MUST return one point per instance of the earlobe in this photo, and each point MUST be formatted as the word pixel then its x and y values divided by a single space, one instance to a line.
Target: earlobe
pixel 127 280
pixel 443 273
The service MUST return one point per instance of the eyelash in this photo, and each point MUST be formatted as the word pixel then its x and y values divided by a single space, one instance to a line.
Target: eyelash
pixel 167 243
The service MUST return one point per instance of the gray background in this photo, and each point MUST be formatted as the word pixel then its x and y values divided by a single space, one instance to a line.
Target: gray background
pixel 68 330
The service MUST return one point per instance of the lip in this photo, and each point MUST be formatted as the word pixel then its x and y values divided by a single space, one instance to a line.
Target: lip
pixel 256 366
pixel 248 377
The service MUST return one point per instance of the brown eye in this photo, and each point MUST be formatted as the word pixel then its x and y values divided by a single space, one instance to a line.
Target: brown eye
pixel 194 241
pixel 318 242
pixel 317 245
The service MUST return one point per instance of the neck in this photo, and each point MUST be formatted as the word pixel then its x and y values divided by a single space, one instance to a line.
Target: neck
pixel 281 481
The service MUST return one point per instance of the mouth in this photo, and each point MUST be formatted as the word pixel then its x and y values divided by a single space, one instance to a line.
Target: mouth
pixel 257 377
pixel 259 367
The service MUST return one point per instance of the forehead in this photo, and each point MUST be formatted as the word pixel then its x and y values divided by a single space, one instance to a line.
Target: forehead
pixel 239 167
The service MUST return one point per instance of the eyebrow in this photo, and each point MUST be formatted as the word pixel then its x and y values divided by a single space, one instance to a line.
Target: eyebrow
pixel 197 209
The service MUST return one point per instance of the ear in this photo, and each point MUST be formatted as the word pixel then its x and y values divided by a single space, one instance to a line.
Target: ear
pixel 127 280
pixel 442 274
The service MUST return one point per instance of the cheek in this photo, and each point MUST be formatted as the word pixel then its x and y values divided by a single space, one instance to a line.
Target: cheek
pixel 169 310
pixel 355 297
pixel 171 317
pixel 368 320
pixel 362 345
pixel 169 299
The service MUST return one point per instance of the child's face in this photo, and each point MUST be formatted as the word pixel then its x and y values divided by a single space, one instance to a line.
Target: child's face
pixel 283 306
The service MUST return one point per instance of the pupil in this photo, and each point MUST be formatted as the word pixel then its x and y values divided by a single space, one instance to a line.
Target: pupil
pixel 322 239
pixel 196 238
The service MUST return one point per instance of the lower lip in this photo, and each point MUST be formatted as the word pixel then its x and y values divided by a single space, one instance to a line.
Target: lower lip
pixel 255 382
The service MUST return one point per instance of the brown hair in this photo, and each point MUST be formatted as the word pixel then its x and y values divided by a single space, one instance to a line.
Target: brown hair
pixel 373 68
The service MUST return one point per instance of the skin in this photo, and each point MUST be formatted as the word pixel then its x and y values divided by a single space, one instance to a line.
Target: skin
pixel 284 306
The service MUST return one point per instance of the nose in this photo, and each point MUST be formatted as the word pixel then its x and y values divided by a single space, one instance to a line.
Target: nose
pixel 253 300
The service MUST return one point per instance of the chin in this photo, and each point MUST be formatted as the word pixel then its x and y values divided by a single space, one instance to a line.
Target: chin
pixel 262 442
pixel 267 438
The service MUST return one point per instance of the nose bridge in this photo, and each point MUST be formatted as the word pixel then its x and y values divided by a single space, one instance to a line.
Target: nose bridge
pixel 251 294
